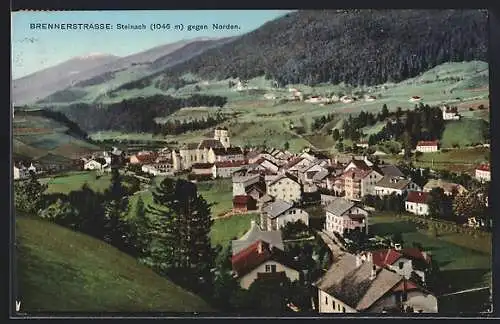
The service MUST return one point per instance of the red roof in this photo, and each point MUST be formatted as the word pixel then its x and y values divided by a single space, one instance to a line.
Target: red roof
pixel 146 157
pixel 229 164
pixel 418 197
pixel 241 199
pixel 405 285
pixel 250 258
pixel 415 253
pixel 483 167
pixel 383 258
pixel 427 143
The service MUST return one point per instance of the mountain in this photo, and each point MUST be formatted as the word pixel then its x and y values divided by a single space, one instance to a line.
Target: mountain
pixel 65 271
pixel 104 78
pixel 35 86
pixel 359 47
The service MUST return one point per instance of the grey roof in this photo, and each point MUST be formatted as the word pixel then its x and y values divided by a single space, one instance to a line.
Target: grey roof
pixel 254 234
pixel 309 165
pixel 190 146
pixel 210 143
pixel 284 176
pixel 352 284
pixel 339 206
pixel 390 170
pixel 277 208
pixel 393 182
pixel 321 175
pixel 265 198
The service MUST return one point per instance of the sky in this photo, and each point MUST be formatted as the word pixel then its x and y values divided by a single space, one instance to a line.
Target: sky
pixel 35 49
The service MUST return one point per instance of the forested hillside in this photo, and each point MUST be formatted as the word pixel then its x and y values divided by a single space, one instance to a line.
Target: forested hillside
pixel 359 47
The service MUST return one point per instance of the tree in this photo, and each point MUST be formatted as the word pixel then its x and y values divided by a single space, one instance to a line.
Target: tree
pixel 28 195
pixel 286 146
pixel 336 134
pixel 439 204
pixel 385 113
pixel 339 146
pixel 471 204
pixel 139 227
pixel 62 213
pixel 407 145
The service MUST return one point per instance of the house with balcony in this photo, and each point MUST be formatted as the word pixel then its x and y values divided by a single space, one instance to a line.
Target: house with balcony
pixel 344 216
pixel 277 214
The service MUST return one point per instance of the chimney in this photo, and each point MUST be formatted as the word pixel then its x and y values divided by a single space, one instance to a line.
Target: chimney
pixel 370 257
pixel 358 261
pixel 260 248
pixel 373 274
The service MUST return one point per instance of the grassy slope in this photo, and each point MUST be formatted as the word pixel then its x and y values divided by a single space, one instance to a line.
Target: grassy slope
pixel 61 270
pixel 464 132
pixel 75 180
pixel 224 229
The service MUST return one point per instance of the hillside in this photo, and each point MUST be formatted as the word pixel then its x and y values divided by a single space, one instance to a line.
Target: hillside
pixel 37 133
pixel 359 47
pixel 61 270
pixel 102 82
pixel 40 84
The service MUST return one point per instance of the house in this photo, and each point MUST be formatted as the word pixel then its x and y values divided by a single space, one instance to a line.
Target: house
pixel 20 172
pixel 202 169
pixel 256 190
pixel 253 155
pixel 364 164
pixel 159 168
pixel 370 98
pixel 362 144
pixel 95 164
pixel 244 203
pixel 285 187
pixel 358 183
pixel 483 172
pixel 117 157
pixel 241 182
pixel 264 164
pixel 223 154
pixel 415 99
pixel 390 170
pixel 143 158
pixel 262 260
pixel 192 153
pixel 450 113
pixel 293 166
pixel 427 146
pixel 315 99
pixel 416 203
pixel 405 262
pixel 397 185
pixel 313 156
pixel 449 188
pixel 255 234
pixel 278 213
pixel 227 168
pixel 347 99
pixel 326 199
pixel 343 216
pixel 352 285
pixel 307 173
pixel 320 179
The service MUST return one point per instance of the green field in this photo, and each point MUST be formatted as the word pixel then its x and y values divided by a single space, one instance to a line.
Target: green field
pixel 75 180
pixel 467 131
pixel 61 270
pixel 461 266
pixel 225 229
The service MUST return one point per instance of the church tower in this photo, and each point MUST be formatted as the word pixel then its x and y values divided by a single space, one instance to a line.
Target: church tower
pixel 222 135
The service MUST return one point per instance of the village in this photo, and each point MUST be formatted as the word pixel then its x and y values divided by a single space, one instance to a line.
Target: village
pixel 283 188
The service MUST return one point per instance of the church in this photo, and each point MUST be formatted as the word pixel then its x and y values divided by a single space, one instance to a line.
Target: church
pixel 210 150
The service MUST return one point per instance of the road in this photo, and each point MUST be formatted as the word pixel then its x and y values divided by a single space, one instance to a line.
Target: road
pixel 465 291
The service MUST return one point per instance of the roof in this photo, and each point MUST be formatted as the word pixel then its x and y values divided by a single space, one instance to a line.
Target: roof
pixel 249 258
pixel 321 175
pixel 293 162
pixel 360 164
pixel 202 165
pixel 254 234
pixel 483 167
pixel 309 165
pixel 259 186
pixel 445 185
pixel 230 164
pixel 266 198
pixel 339 206
pixel 393 183
pixel 418 197
pixel 390 170
pixel 427 143
pixel 191 146
pixel 356 174
pixel 253 154
pixel 227 151
pixel 284 176
pixel 352 284
pixel 277 208
pixel 146 157
pixel 210 143
pixel 221 128
pixel 387 257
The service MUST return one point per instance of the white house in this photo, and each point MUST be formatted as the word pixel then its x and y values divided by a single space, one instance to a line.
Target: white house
pixel 347 99
pixel 427 146
pixel 450 113
pixel 279 213
pixel 95 164
pixel 416 203
pixel 159 168
pixel 415 99
pixel 354 285
pixel 227 168
pixel 398 185
pixel 344 216
pixel 483 172
pixel 20 173
pixel 285 187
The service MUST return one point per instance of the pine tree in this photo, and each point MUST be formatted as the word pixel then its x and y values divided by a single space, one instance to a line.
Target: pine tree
pixel 62 213
pixel 28 195
pixel 139 226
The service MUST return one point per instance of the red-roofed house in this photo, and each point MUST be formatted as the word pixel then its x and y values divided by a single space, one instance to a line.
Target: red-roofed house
pixel 402 261
pixel 143 158
pixel 427 146
pixel 483 172
pixel 416 203
pixel 226 169
pixel 244 203
pixel 261 258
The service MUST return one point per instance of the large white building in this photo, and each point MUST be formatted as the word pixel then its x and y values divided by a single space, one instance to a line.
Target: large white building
pixel 285 187
pixel 427 146
pixel 450 113
pixel 483 173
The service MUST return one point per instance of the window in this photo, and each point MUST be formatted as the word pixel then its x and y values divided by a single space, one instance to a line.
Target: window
pixel 268 268
pixel 273 268
pixel 401 264
pixel 343 309
pixel 326 300
pixel 333 304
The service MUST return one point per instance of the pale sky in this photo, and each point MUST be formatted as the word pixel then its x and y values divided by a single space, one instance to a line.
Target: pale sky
pixel 34 50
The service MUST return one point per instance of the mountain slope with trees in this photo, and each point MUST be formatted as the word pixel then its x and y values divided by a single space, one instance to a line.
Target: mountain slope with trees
pixel 358 47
